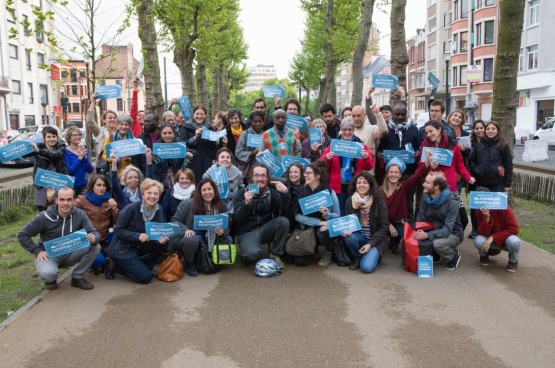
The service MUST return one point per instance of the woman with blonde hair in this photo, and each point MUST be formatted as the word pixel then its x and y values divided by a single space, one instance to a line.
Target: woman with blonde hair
pixel 131 177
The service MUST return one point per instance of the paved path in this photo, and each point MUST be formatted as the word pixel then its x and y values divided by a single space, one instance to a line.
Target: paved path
pixel 307 317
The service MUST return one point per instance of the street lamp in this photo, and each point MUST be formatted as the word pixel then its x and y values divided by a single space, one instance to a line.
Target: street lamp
pixel 44 116
pixel 447 56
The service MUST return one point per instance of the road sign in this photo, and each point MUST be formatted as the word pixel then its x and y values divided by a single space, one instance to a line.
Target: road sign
pixel 474 74
pixel 57 109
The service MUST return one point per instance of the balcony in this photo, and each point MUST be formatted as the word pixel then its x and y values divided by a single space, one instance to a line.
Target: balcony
pixel 5 86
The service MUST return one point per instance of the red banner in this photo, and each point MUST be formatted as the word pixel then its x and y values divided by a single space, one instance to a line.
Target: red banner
pixel 55 71
pixel 57 109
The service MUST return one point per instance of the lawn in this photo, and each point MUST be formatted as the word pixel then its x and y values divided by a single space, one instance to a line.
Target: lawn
pixel 537 223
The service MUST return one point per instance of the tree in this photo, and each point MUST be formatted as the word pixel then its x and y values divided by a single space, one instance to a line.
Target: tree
pixel 360 50
pixel 399 55
pixel 306 71
pixel 511 19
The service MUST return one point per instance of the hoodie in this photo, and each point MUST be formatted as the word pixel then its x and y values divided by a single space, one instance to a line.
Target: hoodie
pixel 50 225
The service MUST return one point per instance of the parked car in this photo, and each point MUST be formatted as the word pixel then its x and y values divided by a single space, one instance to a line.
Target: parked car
pixel 547 131
pixel 36 128
pixel 6 135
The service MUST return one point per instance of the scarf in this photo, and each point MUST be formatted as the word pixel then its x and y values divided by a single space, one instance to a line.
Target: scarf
pixel 236 132
pixel 118 136
pixel 437 201
pixel 347 167
pixel 181 194
pixel 96 199
pixel 362 204
pixel 148 215
pixel 133 197
pixel 399 127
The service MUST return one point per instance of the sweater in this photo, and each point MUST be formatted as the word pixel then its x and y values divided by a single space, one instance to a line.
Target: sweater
pixel 78 168
pixel 136 127
pixel 378 222
pixel 370 134
pixel 290 145
pixel 501 225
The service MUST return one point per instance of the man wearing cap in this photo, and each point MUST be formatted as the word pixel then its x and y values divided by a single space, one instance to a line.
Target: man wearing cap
pixel 281 140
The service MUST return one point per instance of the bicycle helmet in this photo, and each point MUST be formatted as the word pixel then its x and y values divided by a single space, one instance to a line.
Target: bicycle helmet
pixel 266 268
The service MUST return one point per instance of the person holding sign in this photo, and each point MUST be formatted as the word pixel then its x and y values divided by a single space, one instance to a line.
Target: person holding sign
pixel 369 134
pixel 59 220
pixel 184 187
pixel 259 105
pixel 366 245
pixel 234 129
pixel 477 135
pixel 48 156
pixel 246 148
pixel 313 150
pixel 456 120
pixel 130 241
pixel 280 140
pixel 342 169
pixel 295 182
pixel 100 133
pixel 497 231
pixel 220 123
pixel 257 219
pixel 316 178
pixel 123 122
pixel 130 179
pixel 137 116
pixel 77 160
pixel 206 202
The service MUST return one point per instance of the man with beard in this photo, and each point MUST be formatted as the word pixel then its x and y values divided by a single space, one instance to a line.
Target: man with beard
pixel 327 112
pixel 149 137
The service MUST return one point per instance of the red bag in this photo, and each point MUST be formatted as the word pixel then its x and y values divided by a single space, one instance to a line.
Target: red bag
pixel 410 248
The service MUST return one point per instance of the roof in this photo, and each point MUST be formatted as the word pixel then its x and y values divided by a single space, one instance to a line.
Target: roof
pixel 375 67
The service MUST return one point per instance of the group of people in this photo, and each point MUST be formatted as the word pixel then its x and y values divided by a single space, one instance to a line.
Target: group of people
pixel 115 200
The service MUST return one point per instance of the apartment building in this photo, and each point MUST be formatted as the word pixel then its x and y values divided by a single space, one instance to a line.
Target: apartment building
pixel 258 75
pixel 416 76
pixel 26 90
pixel 73 86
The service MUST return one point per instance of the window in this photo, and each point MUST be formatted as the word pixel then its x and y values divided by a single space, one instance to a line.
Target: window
pixel 16 87
pixel 478 36
pixel 73 74
pixel 119 81
pixel 43 94
pixel 455 44
pixel 14 121
pixel 432 52
pixel 29 120
pixel 28 59
pixel 489 32
pixel 446 19
pixel 464 9
pixel 103 82
pixel 521 60
pixel 432 24
pixel 120 104
pixel 10 17
pixel 455 10
pixel 488 70
pixel 464 42
pixel 74 90
pixel 420 104
pixel 30 93
pixel 534 14
pixel 532 52
pixel 75 106
pixel 432 2
pixel 39 33
pixel 26 24
pixel 81 73
pixel 40 59
pixel 489 2
pixel 455 76
pixel 462 75
pixel 14 52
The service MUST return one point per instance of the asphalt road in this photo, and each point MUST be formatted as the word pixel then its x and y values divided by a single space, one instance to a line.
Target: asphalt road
pixel 307 317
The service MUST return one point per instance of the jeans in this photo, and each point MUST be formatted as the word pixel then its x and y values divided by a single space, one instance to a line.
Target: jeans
pixel 444 247
pixel 250 244
pixel 342 198
pixel 139 271
pixel 368 261
pixel 512 245
pixel 48 270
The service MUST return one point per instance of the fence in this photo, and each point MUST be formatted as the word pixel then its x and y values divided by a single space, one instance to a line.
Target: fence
pixel 16 197
pixel 533 186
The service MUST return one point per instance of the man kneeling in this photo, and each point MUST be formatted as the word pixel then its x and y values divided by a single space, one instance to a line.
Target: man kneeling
pixel 441 208
pixel 55 222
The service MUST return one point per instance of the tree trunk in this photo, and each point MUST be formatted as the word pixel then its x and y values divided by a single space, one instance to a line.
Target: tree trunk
pixel 328 54
pixel 506 66
pixel 184 58
pixel 215 90
pixel 202 85
pixel 224 89
pixel 307 101
pixel 399 56
pixel 321 97
pixel 360 50
pixel 147 33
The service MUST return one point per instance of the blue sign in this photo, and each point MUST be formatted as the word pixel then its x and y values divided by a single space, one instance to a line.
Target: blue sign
pixel 346 223
pixel 315 135
pixel 276 168
pixel 270 91
pixel 425 266
pixel 51 179
pixel 404 155
pixel 433 80
pixel 343 148
pixel 128 147
pixel 286 161
pixel 313 203
pixel 384 81
pixel 491 200
pixel 15 150
pixel 157 230
pixel 106 92
pixel 442 156
pixel 254 188
pixel 210 222
pixel 185 108
pixel 167 151
pixel 212 135
pixel 294 121
pixel 67 244
pixel 219 175
pixel 254 140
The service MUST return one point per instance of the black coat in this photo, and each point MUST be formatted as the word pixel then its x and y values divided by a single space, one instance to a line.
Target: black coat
pixel 206 149
pixel 46 158
pixel 485 159
pixel 159 167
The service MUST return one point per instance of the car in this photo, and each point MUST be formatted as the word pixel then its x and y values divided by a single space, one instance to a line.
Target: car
pixel 6 135
pixel 36 128
pixel 547 131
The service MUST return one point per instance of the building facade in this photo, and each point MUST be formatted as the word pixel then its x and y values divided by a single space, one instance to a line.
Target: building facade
pixel 258 75
pixel 73 86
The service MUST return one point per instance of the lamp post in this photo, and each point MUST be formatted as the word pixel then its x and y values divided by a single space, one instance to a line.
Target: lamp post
pixel 447 56
pixel 44 116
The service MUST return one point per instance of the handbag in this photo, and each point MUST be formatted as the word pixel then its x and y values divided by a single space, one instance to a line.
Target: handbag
pixel 341 254
pixel 223 254
pixel 301 242
pixel 171 269
pixel 243 167
pixel 203 261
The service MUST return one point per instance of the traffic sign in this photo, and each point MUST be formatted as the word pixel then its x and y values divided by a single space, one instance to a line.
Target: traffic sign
pixel 474 74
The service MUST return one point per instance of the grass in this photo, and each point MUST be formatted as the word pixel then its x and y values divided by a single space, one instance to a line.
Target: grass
pixel 536 222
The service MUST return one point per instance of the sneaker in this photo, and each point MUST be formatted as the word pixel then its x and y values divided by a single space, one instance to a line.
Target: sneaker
pixel 51 285
pixel 454 263
pixel 325 260
pixel 437 258
pixel 472 234
pixel 484 261
pixel 82 284
pixel 277 258
pixel 191 269
pixel 512 267
pixel 109 269
pixel 355 264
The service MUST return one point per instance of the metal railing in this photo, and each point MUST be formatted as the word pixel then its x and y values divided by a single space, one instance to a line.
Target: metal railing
pixel 4 82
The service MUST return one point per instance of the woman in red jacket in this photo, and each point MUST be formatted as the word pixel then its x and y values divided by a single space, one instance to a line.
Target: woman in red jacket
pixel 343 169
pixel 435 137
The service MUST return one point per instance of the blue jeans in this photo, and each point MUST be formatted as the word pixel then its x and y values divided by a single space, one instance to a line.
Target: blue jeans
pixel 512 245
pixel 368 261
pixel 134 268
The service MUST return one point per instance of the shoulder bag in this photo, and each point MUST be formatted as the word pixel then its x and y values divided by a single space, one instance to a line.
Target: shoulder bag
pixel 171 269
pixel 223 254
pixel 301 242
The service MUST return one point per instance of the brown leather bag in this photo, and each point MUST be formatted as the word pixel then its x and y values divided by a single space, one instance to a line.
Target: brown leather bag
pixel 171 269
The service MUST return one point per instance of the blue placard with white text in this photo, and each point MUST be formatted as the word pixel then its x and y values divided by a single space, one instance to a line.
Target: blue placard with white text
pixel 425 266
pixel 157 230
pixel 67 244
pixel 185 108
pixel 442 156
pixel 51 179
pixel 254 140
pixel 107 92
pixel 294 121
pixel 346 148
pixel 404 155
pixel 315 135
pixel 313 203
pixel 128 147
pixel 433 80
pixel 254 188
pixel 167 151
pixel 286 161
pixel 212 135
pixel 206 222
pixel 270 91
pixel 16 149
pixel 276 168
pixel 346 223
pixel 384 81
pixel 491 200
pixel 219 176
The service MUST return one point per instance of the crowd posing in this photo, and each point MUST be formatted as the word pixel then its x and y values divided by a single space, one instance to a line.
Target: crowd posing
pixel 114 199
